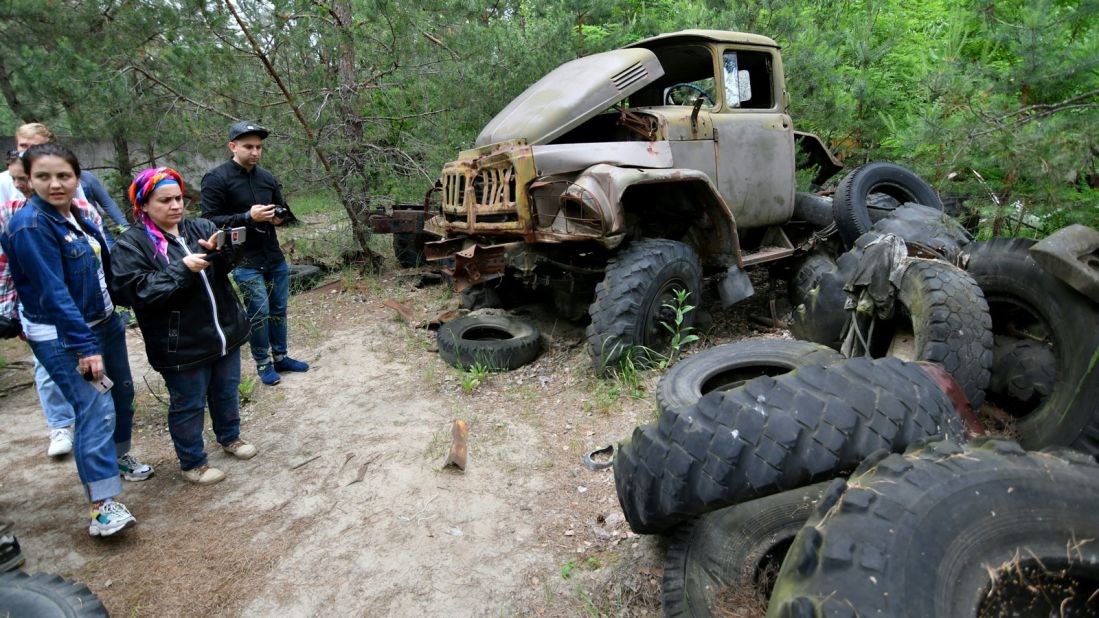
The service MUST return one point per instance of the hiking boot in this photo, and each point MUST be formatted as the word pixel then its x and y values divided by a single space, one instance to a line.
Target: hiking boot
pixel 289 364
pixel 133 470
pixel 109 517
pixel 61 442
pixel 203 475
pixel 240 449
pixel 268 374
pixel 11 557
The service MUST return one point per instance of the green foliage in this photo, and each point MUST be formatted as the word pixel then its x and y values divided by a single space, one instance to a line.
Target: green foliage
pixel 681 335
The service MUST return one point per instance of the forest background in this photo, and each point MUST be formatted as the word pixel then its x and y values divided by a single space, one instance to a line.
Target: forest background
pixel 995 101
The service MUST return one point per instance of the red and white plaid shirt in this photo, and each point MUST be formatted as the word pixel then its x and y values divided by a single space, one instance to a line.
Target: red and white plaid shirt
pixel 8 298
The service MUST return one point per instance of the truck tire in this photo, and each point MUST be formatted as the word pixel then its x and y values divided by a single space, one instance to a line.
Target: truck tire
pixel 631 301
pixel 929 228
pixel 950 531
pixel 304 277
pixel 45 594
pixel 728 558
pixel 497 342
pixel 945 312
pixel 1027 302
pixel 1023 373
pixel 408 249
pixel 728 366
pixel 775 433
pixel 849 206
pixel 817 297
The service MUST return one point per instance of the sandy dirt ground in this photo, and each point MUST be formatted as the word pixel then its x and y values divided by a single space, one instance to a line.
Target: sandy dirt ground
pixel 348 510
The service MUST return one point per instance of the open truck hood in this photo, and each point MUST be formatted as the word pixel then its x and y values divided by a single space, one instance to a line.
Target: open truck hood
pixel 571 94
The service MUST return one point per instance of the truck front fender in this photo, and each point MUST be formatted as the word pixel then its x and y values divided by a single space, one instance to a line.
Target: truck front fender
pixel 681 204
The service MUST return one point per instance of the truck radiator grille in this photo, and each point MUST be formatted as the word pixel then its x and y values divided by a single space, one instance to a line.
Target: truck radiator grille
pixel 490 194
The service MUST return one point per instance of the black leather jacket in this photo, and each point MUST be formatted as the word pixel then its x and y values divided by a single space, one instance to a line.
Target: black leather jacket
pixel 187 319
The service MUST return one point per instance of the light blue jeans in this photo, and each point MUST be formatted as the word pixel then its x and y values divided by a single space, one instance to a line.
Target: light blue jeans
pixel 58 411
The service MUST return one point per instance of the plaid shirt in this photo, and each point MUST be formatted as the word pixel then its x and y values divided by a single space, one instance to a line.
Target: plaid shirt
pixel 8 298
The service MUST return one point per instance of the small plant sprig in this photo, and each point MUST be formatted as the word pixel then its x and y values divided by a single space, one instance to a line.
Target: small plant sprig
pixel 474 377
pixel 682 336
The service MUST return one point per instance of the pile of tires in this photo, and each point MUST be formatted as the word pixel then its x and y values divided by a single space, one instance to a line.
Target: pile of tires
pixel 831 475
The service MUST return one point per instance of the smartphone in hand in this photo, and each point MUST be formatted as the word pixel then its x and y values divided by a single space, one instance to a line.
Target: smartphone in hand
pixel 102 385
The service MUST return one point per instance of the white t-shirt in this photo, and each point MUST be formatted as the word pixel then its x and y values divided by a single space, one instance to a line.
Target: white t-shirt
pixel 48 332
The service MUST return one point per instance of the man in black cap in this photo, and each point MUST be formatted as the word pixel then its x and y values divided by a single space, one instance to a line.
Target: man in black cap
pixel 241 193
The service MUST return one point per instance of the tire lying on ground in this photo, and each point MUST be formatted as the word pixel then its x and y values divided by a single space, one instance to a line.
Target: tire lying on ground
pixel 728 366
pixel 497 343
pixel 942 317
pixel 817 297
pixel 1027 302
pixel 927 227
pixel 950 532
pixel 849 206
pixel 728 559
pixel 637 298
pixel 775 433
pixel 1023 373
pixel 303 277
pixel 44 595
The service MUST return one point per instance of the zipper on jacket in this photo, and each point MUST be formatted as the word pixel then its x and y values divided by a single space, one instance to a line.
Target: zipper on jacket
pixel 210 292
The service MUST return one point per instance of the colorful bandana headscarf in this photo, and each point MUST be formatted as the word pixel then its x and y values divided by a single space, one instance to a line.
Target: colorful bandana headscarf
pixel 141 189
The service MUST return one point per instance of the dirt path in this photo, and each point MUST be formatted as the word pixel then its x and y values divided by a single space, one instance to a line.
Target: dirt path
pixel 524 530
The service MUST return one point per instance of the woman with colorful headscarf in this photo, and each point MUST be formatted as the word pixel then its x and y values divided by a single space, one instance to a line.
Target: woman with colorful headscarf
pixel 168 268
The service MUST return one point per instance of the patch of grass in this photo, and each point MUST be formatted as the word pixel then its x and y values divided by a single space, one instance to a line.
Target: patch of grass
pixel 314 202
pixel 247 387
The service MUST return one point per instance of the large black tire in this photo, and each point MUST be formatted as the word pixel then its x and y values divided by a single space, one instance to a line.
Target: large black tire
pixel 773 434
pixel 946 313
pixel 927 227
pixel 732 555
pixel 817 297
pixel 408 249
pixel 497 343
pixel 304 276
pixel 1027 302
pixel 849 206
pixel 728 366
pixel 631 303
pixel 948 531
pixel 43 595
pixel 1023 373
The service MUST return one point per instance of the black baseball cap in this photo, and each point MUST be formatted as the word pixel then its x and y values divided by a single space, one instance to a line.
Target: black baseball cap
pixel 247 128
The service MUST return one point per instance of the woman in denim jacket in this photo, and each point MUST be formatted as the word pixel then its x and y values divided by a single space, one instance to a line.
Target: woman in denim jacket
pixel 172 273
pixel 60 266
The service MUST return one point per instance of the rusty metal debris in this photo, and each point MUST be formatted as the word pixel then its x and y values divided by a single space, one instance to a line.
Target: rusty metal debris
pixel 956 395
pixel 459 445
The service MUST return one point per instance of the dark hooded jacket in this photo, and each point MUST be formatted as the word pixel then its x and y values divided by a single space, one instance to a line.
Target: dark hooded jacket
pixel 187 319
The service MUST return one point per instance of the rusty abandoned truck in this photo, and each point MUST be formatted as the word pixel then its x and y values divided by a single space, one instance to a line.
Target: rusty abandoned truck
pixel 621 178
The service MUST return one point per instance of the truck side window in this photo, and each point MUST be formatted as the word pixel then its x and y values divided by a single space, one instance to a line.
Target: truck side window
pixel 747 80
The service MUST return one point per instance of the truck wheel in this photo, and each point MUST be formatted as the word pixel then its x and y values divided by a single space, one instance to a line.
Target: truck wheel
pixel 408 249
pixel 496 342
pixel 1023 373
pixel 943 319
pixel 728 366
pixel 950 531
pixel 303 277
pixel 849 206
pixel 728 559
pixel 1026 302
pixel 45 594
pixel 775 433
pixel 817 297
pixel 636 300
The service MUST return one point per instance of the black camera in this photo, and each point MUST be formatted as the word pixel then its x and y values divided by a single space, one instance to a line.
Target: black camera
pixel 281 212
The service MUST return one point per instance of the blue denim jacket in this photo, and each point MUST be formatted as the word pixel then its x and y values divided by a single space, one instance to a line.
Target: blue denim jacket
pixel 56 273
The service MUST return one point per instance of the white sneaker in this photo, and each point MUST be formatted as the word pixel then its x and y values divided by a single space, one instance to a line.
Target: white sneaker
pixel 110 517
pixel 61 442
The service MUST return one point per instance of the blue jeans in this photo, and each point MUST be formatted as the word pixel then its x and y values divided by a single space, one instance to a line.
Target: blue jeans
pixel 266 293
pixel 58 411
pixel 103 420
pixel 214 383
